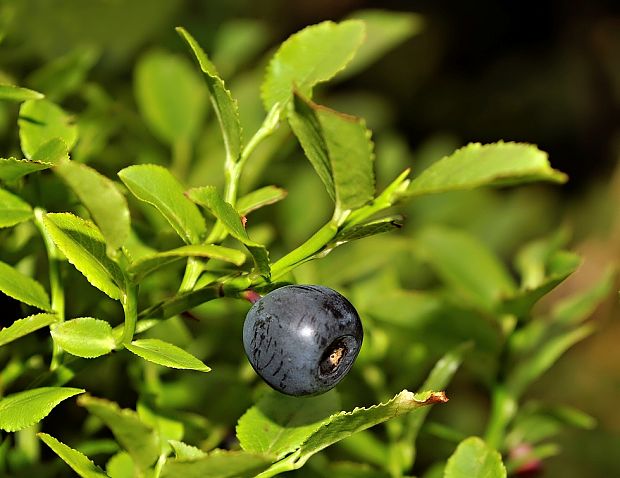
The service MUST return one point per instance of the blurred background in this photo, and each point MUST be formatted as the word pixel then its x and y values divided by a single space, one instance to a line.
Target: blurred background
pixel 547 73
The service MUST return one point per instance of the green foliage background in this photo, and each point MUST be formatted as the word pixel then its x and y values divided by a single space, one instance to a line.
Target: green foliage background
pixel 450 281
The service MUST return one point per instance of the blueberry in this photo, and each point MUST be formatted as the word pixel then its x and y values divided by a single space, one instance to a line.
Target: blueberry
pixel 302 339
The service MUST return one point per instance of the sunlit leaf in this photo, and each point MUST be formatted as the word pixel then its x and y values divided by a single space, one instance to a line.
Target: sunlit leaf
pixel 168 355
pixel 277 424
pixel 84 246
pixel 25 326
pixel 158 187
pixel 13 168
pixel 344 424
pixel 223 103
pixel 23 409
pixel 473 458
pixel 13 209
pixel 79 462
pixel 311 56
pixel 476 165
pixel 340 150
pixel 259 198
pixel 23 288
pixel 217 464
pixel 41 121
pixel 209 197
pixel 85 337
pixel 18 94
pixel 104 201
pixel 139 439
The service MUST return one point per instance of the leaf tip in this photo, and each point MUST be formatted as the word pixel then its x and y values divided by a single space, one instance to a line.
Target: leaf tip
pixel 437 397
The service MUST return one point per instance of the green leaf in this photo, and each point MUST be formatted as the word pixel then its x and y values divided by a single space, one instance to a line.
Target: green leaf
pixel 473 458
pixel 224 105
pixel 209 197
pixel 465 265
pixel 344 424
pixel 135 436
pixel 104 201
pixel 439 378
pixel 354 470
pixel 476 165
pixel 372 228
pixel 41 121
pixel 151 263
pixel 85 337
pixel 23 288
pixel 23 409
pixel 183 451
pixel 53 152
pixel 535 364
pixel 313 55
pixel 581 305
pixel 260 198
pixel 13 168
pixel 168 355
pixel 156 186
pixel 65 74
pixel 278 425
pixel 19 94
pixel 121 466
pixel 561 265
pixel 340 150
pixel 168 428
pixel 75 459
pixel 84 246
pixel 22 327
pixel 13 209
pixel 170 95
pixel 384 30
pixel 218 464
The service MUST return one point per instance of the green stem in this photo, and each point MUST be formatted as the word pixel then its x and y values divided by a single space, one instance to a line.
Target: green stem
pixel 309 248
pixel 130 307
pixel 181 157
pixel 503 408
pixel 234 167
pixel 193 269
pixel 56 285
pixel 159 465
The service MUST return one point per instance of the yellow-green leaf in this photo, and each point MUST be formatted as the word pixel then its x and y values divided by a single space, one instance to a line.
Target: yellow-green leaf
pixel 84 246
pixel 168 355
pixel 79 462
pixel 23 409
pixel 23 288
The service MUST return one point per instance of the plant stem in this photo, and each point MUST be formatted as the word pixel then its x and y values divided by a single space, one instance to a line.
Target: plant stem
pixel 56 286
pixel 181 157
pixel 234 167
pixel 193 269
pixel 161 461
pixel 130 307
pixel 305 251
pixel 503 408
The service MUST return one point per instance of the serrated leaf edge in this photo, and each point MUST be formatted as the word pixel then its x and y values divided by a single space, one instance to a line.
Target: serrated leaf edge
pixel 93 225
pixel 293 38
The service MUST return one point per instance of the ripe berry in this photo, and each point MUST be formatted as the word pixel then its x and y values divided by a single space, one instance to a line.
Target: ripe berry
pixel 302 339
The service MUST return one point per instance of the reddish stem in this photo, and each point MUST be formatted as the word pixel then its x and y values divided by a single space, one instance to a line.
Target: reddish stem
pixel 251 296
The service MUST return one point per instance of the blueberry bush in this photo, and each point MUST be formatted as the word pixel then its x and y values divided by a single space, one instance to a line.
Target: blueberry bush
pixel 138 224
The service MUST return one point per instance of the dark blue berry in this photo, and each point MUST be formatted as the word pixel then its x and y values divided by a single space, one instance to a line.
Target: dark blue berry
pixel 302 339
